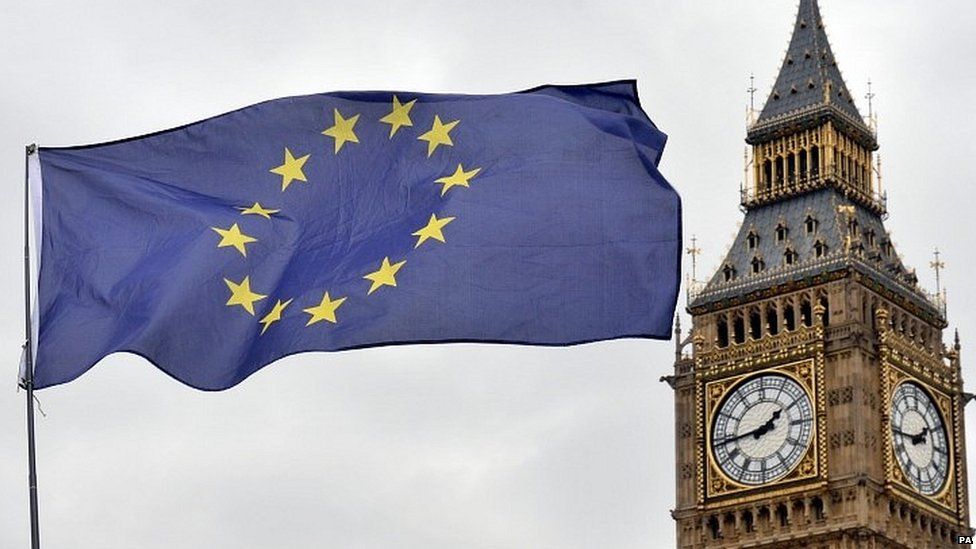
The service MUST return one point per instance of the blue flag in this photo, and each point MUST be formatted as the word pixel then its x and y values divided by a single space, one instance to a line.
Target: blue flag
pixel 344 220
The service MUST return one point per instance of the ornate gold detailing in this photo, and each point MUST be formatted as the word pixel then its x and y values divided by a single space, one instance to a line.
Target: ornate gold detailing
pixel 945 502
pixel 774 348
pixel 913 357
pixel 812 467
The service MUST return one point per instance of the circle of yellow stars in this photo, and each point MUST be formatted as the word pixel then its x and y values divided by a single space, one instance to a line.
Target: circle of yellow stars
pixel 342 132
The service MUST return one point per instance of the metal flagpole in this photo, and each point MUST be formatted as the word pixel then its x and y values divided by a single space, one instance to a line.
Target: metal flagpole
pixel 29 358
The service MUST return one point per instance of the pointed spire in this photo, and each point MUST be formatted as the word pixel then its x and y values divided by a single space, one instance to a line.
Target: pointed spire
pixel 809 77
pixel 677 336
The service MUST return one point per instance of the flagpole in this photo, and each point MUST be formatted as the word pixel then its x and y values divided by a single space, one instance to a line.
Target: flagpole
pixel 29 359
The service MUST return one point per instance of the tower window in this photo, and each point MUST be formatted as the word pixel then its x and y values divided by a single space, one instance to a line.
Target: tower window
pixel 755 324
pixel 772 322
pixel 782 515
pixel 820 249
pixel 729 272
pixel 753 240
pixel 818 509
pixel 806 313
pixel 757 265
pixel 781 232
pixel 852 227
pixel 790 257
pixel 826 310
pixel 713 527
pixel 722 330
pixel 739 329
pixel 811 224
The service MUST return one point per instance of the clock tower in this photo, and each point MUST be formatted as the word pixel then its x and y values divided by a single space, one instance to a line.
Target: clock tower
pixel 815 402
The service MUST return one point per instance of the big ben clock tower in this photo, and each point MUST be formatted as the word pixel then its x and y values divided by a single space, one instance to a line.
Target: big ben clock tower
pixel 815 403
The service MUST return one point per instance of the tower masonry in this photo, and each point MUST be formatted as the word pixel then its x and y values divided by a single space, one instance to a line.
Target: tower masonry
pixel 815 402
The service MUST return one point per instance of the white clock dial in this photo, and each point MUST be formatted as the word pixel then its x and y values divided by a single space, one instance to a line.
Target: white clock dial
pixel 919 438
pixel 762 429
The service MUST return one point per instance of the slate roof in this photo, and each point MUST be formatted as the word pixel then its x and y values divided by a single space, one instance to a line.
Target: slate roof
pixel 869 255
pixel 809 70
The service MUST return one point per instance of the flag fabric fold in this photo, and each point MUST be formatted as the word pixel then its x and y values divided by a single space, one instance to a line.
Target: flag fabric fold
pixel 356 219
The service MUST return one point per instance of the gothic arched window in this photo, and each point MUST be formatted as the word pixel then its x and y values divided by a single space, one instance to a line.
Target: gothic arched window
pixel 729 272
pixel 869 237
pixel 781 232
pixel 811 224
pixel 753 240
pixel 790 257
pixel 820 249
pixel 758 265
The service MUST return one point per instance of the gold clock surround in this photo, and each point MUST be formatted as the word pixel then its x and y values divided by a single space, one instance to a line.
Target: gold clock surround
pixel 716 484
pixel 902 362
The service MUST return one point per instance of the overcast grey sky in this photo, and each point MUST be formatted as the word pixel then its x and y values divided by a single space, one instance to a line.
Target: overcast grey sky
pixel 449 446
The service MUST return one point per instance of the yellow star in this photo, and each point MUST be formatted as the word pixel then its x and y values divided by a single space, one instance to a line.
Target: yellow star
pixel 400 116
pixel 459 178
pixel 291 169
pixel 438 135
pixel 325 310
pixel 234 237
pixel 258 209
pixel 241 294
pixel 432 229
pixel 385 276
pixel 274 315
pixel 342 131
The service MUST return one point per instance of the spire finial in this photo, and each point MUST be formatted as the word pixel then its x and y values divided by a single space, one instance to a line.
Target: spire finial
pixel 870 97
pixel 693 251
pixel 677 336
pixel 752 92
pixel 937 265
pixel 878 171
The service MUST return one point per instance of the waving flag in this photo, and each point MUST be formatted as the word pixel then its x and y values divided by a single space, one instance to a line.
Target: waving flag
pixel 345 220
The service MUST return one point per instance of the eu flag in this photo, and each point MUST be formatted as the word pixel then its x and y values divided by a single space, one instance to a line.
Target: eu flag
pixel 344 220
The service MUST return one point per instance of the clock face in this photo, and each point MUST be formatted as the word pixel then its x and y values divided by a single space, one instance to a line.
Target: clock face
pixel 919 438
pixel 762 429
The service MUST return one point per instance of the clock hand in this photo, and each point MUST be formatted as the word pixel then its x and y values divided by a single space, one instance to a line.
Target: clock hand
pixel 916 439
pixel 758 431
pixel 737 437
pixel 768 426
pixel 920 438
